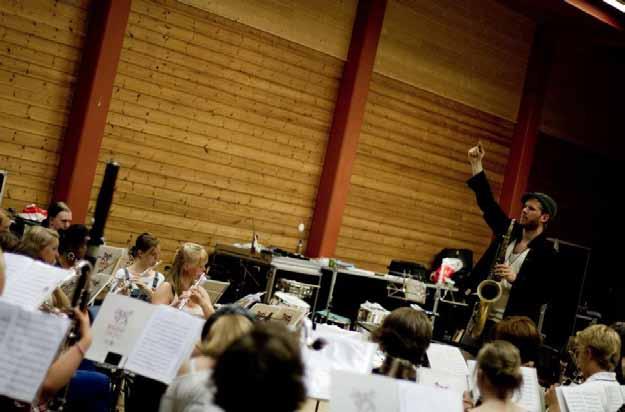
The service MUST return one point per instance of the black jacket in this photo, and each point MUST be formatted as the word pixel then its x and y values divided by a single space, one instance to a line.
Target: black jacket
pixel 535 281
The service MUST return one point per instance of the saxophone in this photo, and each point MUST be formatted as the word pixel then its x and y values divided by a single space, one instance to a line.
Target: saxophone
pixel 489 290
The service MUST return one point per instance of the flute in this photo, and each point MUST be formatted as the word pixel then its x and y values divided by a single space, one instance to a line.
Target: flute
pixel 183 302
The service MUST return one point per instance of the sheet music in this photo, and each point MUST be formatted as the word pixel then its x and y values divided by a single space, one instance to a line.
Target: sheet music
pixel 529 395
pixel 167 340
pixel 614 397
pixel 109 259
pixel 421 398
pixel 442 379
pixel 340 353
pixel 215 289
pixel 118 326
pixel 29 342
pixel 447 359
pixel 30 282
pixel 580 399
pixel 352 392
pixel 561 400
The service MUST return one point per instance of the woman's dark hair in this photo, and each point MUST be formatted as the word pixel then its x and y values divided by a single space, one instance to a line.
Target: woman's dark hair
pixel 144 242
pixel 405 334
pixel 225 310
pixel 73 238
pixel 53 210
pixel 8 241
pixel 266 363
pixel 500 364
pixel 522 332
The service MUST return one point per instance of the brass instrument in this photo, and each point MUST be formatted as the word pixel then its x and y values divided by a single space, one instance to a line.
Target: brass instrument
pixel 489 290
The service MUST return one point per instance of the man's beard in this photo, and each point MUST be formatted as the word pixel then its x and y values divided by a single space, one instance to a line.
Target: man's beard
pixel 531 225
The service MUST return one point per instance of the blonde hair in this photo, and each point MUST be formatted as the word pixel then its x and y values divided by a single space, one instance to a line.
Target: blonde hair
pixel 500 363
pixel 35 240
pixel 4 217
pixel 604 344
pixel 187 254
pixel 223 332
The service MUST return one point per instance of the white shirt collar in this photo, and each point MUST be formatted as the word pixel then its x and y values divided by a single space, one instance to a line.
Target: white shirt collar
pixel 602 376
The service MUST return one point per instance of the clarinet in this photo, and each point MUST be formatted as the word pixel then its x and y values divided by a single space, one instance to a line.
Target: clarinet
pixel 80 298
pixel 183 302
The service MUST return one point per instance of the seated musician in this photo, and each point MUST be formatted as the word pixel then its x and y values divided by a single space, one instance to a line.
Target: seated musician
pixel 59 216
pixel 180 287
pixel 520 331
pixel 261 371
pixel 42 244
pixel 597 351
pixel 72 245
pixel 498 376
pixel 188 391
pixel 63 368
pixel 140 280
pixel 404 336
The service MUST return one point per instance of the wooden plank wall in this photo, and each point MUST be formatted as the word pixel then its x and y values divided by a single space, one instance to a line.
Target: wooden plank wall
pixel 322 25
pixel 447 73
pixel 40 51
pixel 408 198
pixel 471 51
pixel 219 128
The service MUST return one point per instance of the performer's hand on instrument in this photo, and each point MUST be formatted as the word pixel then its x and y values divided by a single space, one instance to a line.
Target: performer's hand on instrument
pixel 82 317
pixel 467 401
pixel 551 400
pixel 200 296
pixel 505 272
pixel 476 154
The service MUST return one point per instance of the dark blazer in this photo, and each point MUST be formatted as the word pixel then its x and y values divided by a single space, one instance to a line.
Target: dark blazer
pixel 536 279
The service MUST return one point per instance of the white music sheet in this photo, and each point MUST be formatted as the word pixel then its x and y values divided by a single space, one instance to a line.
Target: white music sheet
pixel 30 282
pixel 443 380
pixel 422 398
pixel 614 397
pixel 29 342
pixel 167 340
pixel 353 392
pixel 529 396
pixel 447 359
pixel 578 399
pixel 119 324
pixel 341 352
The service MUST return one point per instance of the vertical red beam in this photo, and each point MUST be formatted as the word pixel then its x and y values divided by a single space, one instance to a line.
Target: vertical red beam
pixel 85 128
pixel 345 132
pixel 528 121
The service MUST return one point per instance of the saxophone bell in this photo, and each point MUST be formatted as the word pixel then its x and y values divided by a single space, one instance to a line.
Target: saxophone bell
pixel 489 290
